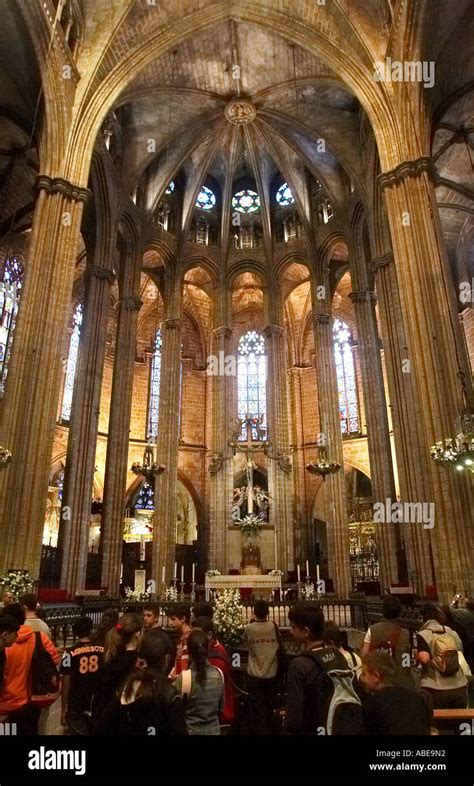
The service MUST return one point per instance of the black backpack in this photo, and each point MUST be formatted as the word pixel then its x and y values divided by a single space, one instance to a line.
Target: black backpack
pixel 338 704
pixel 45 682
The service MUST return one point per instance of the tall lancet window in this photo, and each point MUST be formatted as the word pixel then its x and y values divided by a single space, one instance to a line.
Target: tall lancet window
pixel 346 379
pixel 251 380
pixel 11 282
pixel 154 397
pixel 72 362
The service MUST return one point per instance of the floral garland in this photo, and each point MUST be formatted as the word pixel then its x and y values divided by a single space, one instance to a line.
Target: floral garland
pixel 171 594
pixel 308 592
pixel 211 573
pixel 17 581
pixel 250 524
pixel 275 572
pixel 228 620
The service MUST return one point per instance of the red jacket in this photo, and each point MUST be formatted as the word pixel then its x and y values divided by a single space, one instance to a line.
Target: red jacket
pixel 218 657
pixel 16 674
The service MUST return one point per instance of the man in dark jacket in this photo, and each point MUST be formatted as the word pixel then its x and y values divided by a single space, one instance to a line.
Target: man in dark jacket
pixel 387 636
pixel 302 712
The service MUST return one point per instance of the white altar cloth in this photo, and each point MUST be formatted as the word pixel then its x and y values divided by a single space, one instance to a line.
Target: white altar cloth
pixel 242 582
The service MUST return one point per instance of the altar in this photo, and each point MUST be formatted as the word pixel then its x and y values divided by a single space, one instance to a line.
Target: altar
pixel 255 582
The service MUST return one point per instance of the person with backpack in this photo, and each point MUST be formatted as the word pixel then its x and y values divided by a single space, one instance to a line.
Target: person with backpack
pixel 8 635
pixel 388 636
pixel 333 636
pixel 219 657
pixel 438 650
pixel 262 639
pixel 202 688
pixel 29 669
pixel 320 693
pixel 390 710
pixel 80 670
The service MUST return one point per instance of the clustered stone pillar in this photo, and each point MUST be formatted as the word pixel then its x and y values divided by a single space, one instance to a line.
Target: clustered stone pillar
pixel 436 363
pixel 83 426
pixel 378 439
pixel 30 404
pixel 337 519
pixel 164 521
pixel 220 481
pixel 279 471
pixel 115 480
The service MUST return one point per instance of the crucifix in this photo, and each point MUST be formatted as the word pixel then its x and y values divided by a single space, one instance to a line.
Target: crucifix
pixel 249 449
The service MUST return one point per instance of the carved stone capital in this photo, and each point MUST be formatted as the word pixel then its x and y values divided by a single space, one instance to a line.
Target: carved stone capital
pixel 57 185
pixel 406 169
pixel 222 332
pixel 322 319
pixel 129 304
pixel 362 295
pixel 172 324
pixel 93 271
pixel 383 261
pixel 273 330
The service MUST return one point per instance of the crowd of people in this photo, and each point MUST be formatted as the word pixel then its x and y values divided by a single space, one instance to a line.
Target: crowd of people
pixel 130 676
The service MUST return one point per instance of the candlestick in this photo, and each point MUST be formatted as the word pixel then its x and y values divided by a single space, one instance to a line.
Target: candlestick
pixel 163 575
pixel 307 569
pixel 194 572
pixel 317 572
pixel 182 574
pixel 175 570
pixel 298 572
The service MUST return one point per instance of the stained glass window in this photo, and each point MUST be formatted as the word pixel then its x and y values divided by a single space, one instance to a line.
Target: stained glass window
pixel 170 188
pixel 72 362
pixel 284 195
pixel 155 377
pixel 251 379
pixel 146 497
pixel 346 381
pixel 206 199
pixel 246 201
pixel 11 273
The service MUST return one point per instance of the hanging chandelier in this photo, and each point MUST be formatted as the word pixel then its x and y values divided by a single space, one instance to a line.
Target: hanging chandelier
pixel 5 457
pixel 323 466
pixel 458 451
pixel 149 469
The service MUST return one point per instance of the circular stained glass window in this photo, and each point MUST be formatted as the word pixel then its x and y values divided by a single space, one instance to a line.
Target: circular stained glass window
pixel 246 201
pixel 284 195
pixel 206 199
pixel 170 188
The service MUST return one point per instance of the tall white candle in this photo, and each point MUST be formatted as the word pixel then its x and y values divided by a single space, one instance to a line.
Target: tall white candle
pixel 175 570
pixel 182 574
pixel 307 568
pixel 194 571
pixel 163 575
pixel 317 572
pixel 298 572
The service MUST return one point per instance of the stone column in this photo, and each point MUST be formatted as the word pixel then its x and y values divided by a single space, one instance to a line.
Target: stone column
pixel 28 410
pixel 437 367
pixel 279 469
pixel 335 487
pixel 220 482
pixel 116 463
pixel 378 439
pixel 164 521
pixel 83 426
pixel 303 534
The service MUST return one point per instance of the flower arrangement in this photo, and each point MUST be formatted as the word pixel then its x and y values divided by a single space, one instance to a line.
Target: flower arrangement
pixel 171 594
pixel 228 620
pixel 308 591
pixel 18 581
pixel 212 573
pixel 250 524
pixel 136 597
pixel 276 573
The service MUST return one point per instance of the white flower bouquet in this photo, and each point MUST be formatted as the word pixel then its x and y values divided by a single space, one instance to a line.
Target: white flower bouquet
pixel 17 581
pixel 250 524
pixel 136 597
pixel 228 620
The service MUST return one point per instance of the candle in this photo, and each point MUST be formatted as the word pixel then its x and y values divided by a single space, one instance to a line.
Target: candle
pixel 307 568
pixel 182 574
pixel 317 574
pixel 175 570
pixel 298 572
pixel 163 575
pixel 194 571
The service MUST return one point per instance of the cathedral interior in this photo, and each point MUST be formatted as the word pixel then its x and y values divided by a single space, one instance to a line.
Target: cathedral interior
pixel 238 280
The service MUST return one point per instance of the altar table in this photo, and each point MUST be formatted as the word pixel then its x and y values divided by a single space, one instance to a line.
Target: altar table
pixel 254 582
